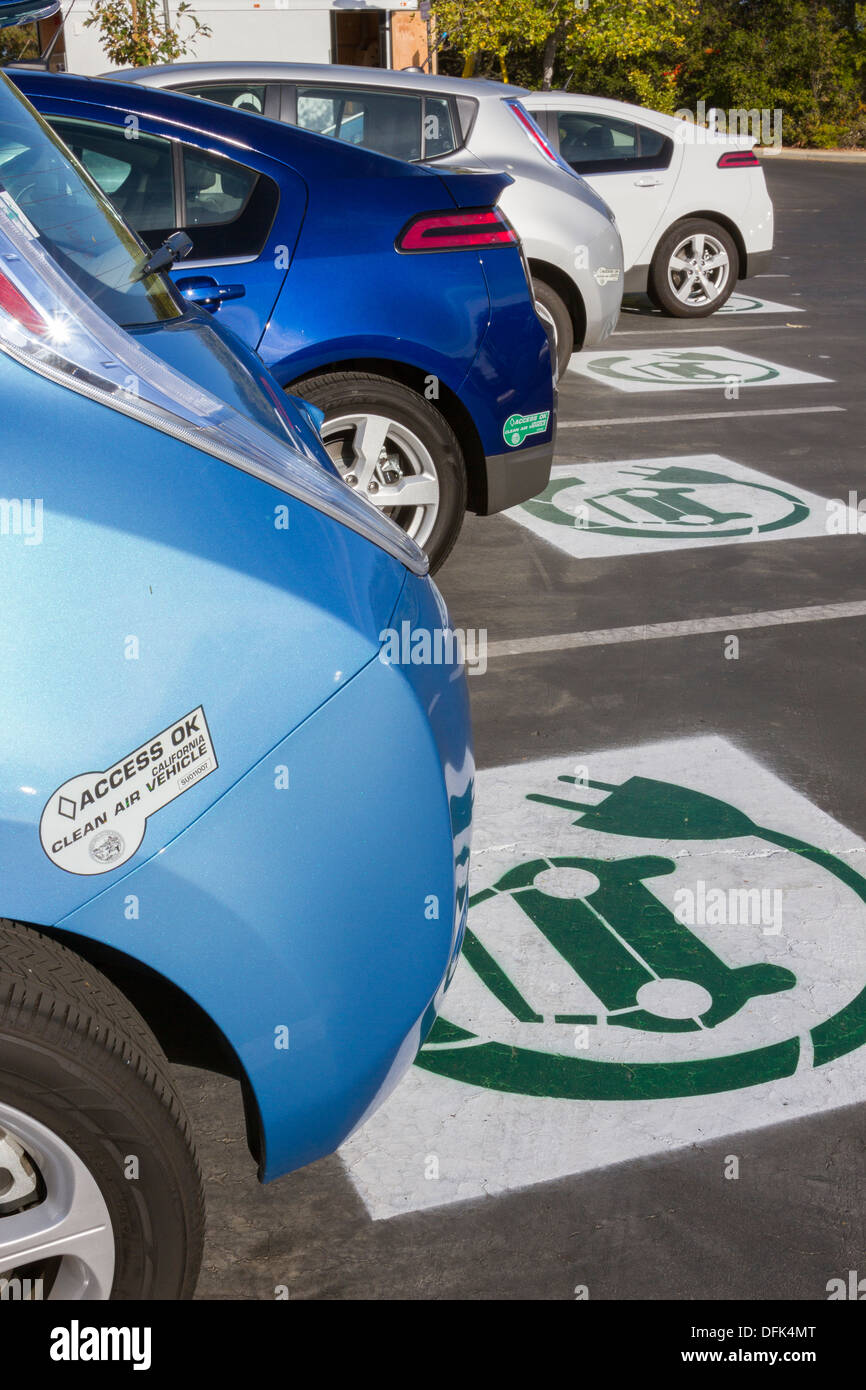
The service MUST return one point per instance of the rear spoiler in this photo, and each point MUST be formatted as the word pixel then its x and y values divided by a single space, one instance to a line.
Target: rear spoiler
pixel 473 190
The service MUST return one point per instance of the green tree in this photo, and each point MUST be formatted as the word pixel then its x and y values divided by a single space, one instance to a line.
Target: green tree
pixel 632 49
pixel 134 33
pixel 561 39
pixel 804 58
pixel 17 42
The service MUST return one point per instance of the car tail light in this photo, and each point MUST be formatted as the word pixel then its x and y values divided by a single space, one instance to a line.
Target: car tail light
pixel 533 131
pixel 738 159
pixel 20 310
pixel 475 229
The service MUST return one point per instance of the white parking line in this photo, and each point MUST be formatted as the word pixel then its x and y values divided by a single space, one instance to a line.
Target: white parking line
pixel 711 328
pixel 691 627
pixel 691 415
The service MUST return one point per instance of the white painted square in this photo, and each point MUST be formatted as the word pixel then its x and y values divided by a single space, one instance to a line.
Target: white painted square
pixel 692 368
pixel 751 304
pixel 773 975
pixel 639 506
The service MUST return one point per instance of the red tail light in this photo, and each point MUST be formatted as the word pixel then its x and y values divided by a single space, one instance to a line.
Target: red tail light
pixel 20 309
pixel 456 231
pixel 738 159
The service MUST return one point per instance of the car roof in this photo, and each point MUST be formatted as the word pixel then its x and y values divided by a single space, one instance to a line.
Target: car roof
pixel 626 109
pixel 321 72
pixel 302 150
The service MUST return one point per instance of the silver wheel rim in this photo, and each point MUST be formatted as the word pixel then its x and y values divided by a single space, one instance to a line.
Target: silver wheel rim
pixel 388 464
pixel 69 1223
pixel 550 325
pixel 699 269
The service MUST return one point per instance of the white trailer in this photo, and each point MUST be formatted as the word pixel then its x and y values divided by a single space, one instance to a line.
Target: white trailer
pixel 389 33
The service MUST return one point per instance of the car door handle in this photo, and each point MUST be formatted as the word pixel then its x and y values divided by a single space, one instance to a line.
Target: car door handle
pixel 648 182
pixel 202 290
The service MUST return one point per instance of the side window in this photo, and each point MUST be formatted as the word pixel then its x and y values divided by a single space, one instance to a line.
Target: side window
pixel 248 97
pixel 317 113
pixel 384 121
pixel 229 209
pixel 135 173
pixel 587 141
pixel 593 143
pixel 655 149
pixel 439 137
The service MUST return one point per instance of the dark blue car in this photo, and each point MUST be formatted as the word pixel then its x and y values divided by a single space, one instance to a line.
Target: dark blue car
pixel 393 297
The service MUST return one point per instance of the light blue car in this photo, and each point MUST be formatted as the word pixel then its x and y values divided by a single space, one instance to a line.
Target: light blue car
pixel 234 813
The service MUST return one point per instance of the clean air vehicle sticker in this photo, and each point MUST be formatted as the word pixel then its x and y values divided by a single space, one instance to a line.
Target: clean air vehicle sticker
pixel 96 821
pixel 749 304
pixel 520 427
pixel 638 506
pixel 682 369
pixel 666 945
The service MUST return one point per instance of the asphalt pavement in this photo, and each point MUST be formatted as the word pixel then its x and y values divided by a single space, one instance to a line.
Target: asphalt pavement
pixel 679 620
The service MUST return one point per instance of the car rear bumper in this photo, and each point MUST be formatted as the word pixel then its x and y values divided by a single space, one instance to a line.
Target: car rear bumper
pixel 515 477
pixel 756 263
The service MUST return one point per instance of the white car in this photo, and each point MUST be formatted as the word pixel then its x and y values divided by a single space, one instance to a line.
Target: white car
pixel 692 206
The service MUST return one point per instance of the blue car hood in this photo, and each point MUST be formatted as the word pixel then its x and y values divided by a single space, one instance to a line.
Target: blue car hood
pixel 215 358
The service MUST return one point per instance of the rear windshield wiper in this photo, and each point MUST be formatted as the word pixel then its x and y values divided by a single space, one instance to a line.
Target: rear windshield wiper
pixel 174 248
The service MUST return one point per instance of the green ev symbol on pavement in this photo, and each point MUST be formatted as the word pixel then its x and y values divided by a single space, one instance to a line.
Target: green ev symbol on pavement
pixel 627 946
pixel 685 367
pixel 741 304
pixel 669 502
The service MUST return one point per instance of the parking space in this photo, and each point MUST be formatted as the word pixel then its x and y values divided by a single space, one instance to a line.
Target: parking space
pixel 648 1078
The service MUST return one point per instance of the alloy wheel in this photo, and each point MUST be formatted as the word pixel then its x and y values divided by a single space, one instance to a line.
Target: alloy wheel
pixel 699 269
pixel 390 466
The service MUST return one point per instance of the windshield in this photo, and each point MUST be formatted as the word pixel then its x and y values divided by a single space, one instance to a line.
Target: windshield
pixel 48 194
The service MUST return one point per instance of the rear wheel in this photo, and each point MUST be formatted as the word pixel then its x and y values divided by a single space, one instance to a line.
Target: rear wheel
pixel 100 1193
pixel 694 269
pixel 553 312
pixel 399 452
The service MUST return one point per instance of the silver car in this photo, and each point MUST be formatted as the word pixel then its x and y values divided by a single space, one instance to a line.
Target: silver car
pixel 568 232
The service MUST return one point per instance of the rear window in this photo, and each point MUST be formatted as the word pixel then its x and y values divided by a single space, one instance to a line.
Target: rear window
pixel 399 124
pixel 45 189
pixel 243 96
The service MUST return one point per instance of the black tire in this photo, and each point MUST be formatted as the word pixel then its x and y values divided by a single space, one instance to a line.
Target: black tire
pixel 658 287
pixel 562 337
pixel 77 1058
pixel 341 394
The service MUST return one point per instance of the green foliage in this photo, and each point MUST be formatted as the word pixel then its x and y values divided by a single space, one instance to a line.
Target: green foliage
pixel 806 57
pixel 17 42
pixel 133 33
